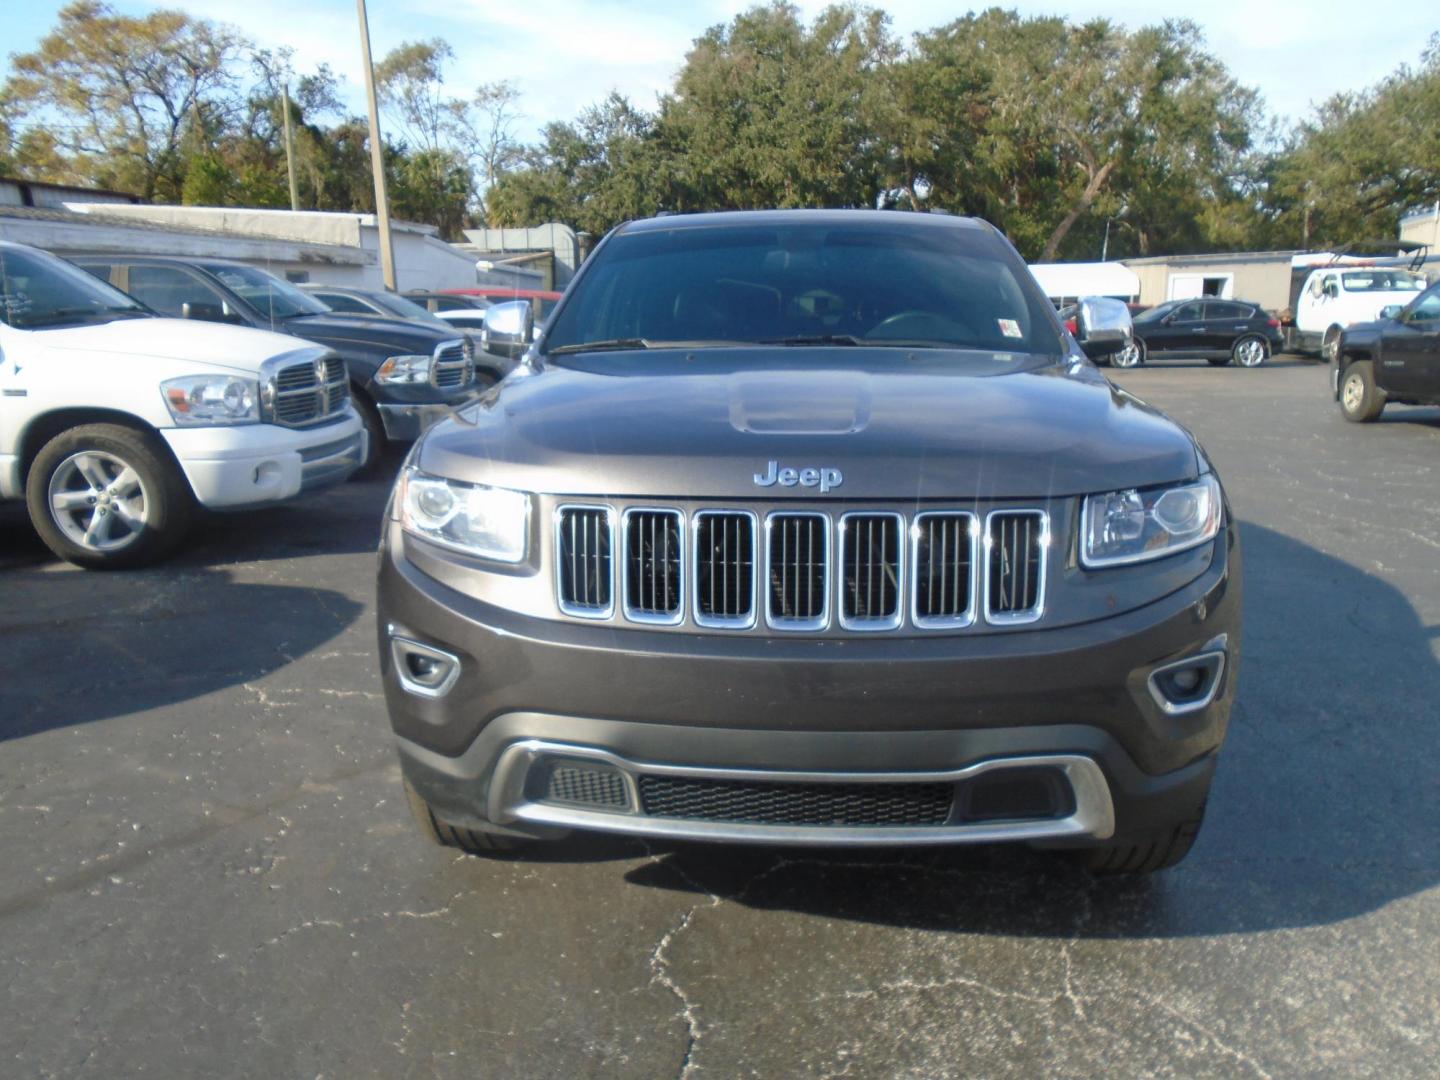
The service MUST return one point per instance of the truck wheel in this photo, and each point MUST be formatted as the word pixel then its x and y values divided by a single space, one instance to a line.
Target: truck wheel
pixel 470 841
pixel 106 497
pixel 1250 351
pixel 1361 401
pixel 374 432
pixel 1330 345
pixel 1133 355
pixel 1144 854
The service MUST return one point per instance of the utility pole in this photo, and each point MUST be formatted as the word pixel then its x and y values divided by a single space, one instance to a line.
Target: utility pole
pixel 289 152
pixel 1105 247
pixel 377 154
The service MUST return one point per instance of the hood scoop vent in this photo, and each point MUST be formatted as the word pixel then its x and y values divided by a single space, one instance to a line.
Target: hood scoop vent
pixel 786 403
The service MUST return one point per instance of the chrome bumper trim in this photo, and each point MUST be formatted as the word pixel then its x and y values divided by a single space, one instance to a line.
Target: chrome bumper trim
pixel 1094 816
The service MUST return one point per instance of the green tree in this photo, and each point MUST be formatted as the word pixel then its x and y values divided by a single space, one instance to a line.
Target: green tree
pixel 119 93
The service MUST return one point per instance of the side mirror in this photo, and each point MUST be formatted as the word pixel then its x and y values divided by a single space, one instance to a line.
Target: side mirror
pixel 1332 290
pixel 1104 326
pixel 1391 311
pixel 508 328
pixel 207 312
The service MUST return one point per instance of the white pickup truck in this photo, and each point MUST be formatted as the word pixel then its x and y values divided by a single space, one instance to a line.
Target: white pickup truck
pixel 1338 295
pixel 116 424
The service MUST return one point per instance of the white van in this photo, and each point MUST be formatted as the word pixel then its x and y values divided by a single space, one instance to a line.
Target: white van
pixel 1334 297
pixel 116 424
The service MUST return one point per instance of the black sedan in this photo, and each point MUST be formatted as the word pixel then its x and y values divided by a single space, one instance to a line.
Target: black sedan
pixel 1205 329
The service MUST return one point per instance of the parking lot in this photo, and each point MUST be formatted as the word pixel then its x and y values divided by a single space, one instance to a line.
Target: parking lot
pixel 210 869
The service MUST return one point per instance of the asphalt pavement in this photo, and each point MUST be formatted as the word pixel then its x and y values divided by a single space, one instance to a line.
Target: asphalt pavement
pixel 209 869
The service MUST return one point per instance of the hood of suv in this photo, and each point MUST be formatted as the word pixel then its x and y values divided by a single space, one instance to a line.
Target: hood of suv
pixel 235 348
pixel 377 333
pixel 892 435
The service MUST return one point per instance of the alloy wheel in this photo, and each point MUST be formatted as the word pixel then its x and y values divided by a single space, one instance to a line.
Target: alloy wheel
pixel 1353 393
pixel 1250 352
pixel 98 501
pixel 1129 356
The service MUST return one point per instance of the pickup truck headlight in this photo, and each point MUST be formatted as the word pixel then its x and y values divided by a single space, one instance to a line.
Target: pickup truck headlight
pixel 1133 526
pixel 492 523
pixel 200 400
pixel 404 369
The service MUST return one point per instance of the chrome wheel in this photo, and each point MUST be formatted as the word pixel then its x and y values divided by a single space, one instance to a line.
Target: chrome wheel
pixel 1353 393
pixel 98 501
pixel 1250 352
pixel 1129 356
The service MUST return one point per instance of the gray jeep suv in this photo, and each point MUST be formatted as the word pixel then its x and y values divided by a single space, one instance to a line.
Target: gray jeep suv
pixel 810 527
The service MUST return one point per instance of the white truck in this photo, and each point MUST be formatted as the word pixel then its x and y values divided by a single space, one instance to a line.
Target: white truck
pixel 1337 295
pixel 116 424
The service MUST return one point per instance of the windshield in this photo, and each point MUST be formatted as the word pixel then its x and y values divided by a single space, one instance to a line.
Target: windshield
pixel 1382 281
pixel 40 291
pixel 269 295
pixel 406 308
pixel 893 283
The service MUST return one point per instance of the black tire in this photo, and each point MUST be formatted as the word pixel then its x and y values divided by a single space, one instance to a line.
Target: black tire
pixel 1144 854
pixel 374 434
pixel 470 841
pixel 165 507
pixel 1250 351
pixel 1361 401
pixel 1330 345
pixel 1218 361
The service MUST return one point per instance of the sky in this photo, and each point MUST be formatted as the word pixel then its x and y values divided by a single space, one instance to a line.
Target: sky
pixel 567 54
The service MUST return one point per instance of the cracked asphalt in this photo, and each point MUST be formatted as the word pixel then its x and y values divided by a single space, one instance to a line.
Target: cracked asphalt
pixel 209 869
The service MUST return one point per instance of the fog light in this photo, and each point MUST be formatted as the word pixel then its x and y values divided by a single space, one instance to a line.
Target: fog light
pixel 1188 685
pixel 423 670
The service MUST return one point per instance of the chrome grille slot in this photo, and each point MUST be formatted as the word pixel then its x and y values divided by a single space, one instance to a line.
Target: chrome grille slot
pixel 765 802
pixel 654 562
pixel 453 365
pixel 307 391
pixel 1015 565
pixel 798 559
pixel 943 569
pixel 583 542
pixel 870 571
pixel 724 569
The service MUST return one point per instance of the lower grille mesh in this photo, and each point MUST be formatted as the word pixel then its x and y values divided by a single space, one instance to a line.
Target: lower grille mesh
pixel 586 786
pixel 759 802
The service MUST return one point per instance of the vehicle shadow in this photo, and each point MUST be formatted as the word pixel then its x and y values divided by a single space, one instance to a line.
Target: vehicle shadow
pixel 80 646
pixel 1321 811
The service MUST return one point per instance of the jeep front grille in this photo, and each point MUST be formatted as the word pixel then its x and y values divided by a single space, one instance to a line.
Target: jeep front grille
pixel 453 366
pixel 870 568
pixel 798 568
pixel 943 568
pixel 765 802
pixel 1015 565
pixel 307 392
pixel 875 570
pixel 724 568
pixel 583 562
pixel 654 566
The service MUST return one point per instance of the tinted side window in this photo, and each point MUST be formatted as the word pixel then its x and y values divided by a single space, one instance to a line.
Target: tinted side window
pixel 167 289
pixel 1427 309
pixel 341 302
pixel 1190 312
pixel 1215 310
pixel 448 303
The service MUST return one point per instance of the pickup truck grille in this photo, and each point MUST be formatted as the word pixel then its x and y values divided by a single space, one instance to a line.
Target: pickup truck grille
pixel 307 392
pixel 453 367
pixel 863 570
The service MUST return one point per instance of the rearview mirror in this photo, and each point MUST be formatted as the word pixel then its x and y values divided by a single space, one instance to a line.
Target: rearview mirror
pixel 1104 326
pixel 508 328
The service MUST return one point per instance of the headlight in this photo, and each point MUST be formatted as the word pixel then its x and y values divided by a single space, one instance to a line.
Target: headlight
pixel 1135 525
pixel 404 369
pixel 195 400
pixel 492 523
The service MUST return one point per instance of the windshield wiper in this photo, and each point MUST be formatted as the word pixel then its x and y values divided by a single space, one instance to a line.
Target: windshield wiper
pixel 813 339
pixel 600 346
pixel 62 315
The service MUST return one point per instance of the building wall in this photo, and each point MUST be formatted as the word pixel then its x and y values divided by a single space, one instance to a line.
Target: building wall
pixel 1265 281
pixel 1422 228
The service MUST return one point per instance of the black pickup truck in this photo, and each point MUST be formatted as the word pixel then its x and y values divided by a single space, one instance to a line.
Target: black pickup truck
pixel 403 375
pixel 1396 359
pixel 811 527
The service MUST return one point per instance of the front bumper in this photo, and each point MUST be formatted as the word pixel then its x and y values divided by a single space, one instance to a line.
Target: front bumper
pixel 845 711
pixel 231 467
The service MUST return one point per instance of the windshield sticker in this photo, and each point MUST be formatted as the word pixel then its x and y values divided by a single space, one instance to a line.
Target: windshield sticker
pixel 1009 327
